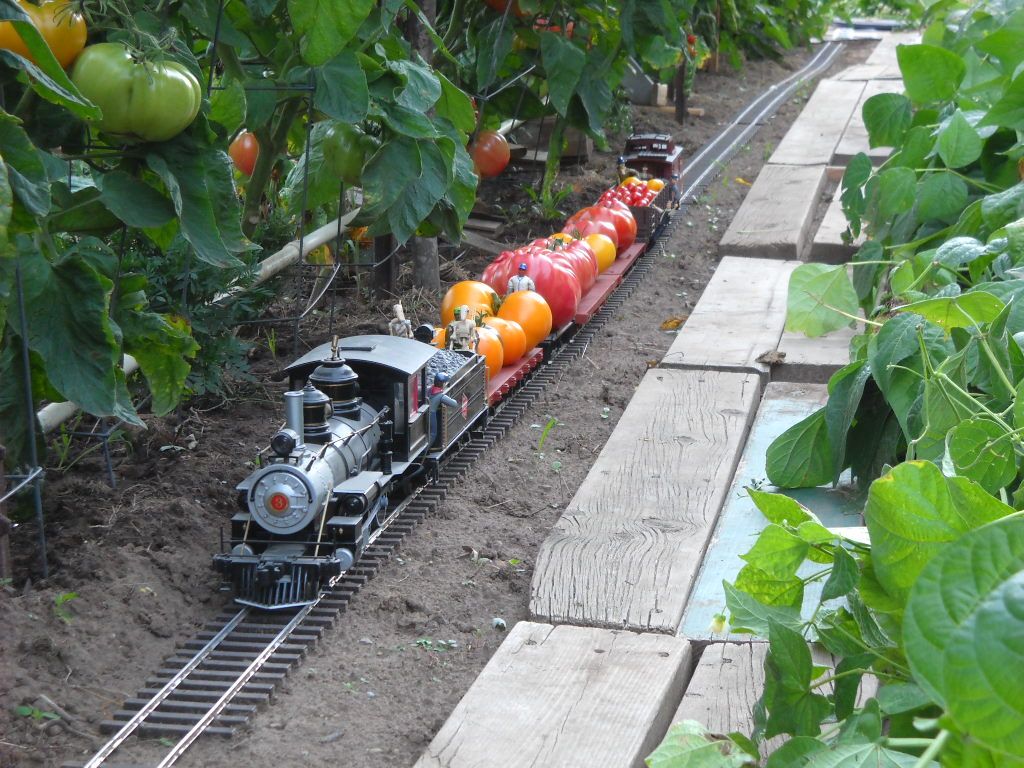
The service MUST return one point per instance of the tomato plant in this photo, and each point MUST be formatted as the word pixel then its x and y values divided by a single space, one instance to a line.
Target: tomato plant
pixel 532 312
pixel 501 5
pixel 478 296
pixel 490 153
pixel 244 151
pixel 58 21
pixel 346 148
pixel 141 100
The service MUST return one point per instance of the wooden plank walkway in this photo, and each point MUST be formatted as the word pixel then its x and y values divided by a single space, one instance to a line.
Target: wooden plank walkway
pixel 855 137
pixel 813 136
pixel 775 218
pixel 738 318
pixel 827 244
pixel 812 360
pixel 627 548
pixel 865 72
pixel 567 697
pixel 885 52
pixel 783 405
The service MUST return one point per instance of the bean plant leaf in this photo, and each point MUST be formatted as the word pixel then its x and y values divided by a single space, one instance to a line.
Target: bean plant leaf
pixel 777 551
pixel 771 589
pixel 862 755
pixel 845 389
pixel 887 116
pixel 792 707
pixel 964 633
pixel 981 450
pixel 801 457
pixel 689 745
pixel 751 616
pixel 821 299
pixel 844 576
pixel 930 73
pixel 913 512
pixel 781 509
pixel 959 144
pixel 1008 111
pixel 969 310
pixel 327 26
pixel 897 697
pixel 896 192
pixel 941 196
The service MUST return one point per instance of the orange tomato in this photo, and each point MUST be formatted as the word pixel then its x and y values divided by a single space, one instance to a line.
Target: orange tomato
pixel 603 248
pixel 513 337
pixel 61 26
pixel 656 184
pixel 531 311
pixel 489 345
pixel 630 181
pixel 479 297
pixel 440 336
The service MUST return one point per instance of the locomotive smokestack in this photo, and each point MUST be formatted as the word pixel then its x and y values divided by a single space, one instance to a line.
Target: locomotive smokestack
pixel 293 418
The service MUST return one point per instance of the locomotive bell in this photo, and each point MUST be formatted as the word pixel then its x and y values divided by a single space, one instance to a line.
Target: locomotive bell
pixel 316 410
pixel 340 383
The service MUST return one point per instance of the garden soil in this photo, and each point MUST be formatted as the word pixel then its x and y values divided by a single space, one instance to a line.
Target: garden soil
pixel 130 568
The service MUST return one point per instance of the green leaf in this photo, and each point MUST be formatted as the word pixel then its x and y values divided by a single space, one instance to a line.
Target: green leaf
pixel 1008 112
pixel 1002 208
pixel 897 188
pixel 887 116
pixel 341 89
pixel 844 576
pixel 818 295
pixel 780 509
pixel 941 196
pixel 981 450
pixel 845 389
pixel 771 589
pixel 493 45
pixel 564 62
pixel 228 105
pixel 894 698
pixel 402 182
pixel 162 350
pixel 801 457
pixel 134 202
pixel 930 73
pixel 968 310
pixel 866 724
pixel 913 512
pixel 689 745
pixel 25 169
pixel 455 106
pixel 964 633
pixel 792 707
pixel 795 753
pixel 327 26
pixel 959 143
pixel 749 615
pixel 777 552
pixel 863 755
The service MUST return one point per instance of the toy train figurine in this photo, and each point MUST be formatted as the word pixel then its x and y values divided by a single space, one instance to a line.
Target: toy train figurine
pixel 362 420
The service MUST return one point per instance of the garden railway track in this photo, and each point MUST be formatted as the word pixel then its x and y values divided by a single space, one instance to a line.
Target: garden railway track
pixel 215 682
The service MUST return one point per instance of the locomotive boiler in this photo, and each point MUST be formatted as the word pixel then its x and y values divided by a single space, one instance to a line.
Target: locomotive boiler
pixel 356 434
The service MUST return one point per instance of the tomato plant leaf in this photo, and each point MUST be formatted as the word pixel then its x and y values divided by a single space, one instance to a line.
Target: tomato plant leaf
pixel 689 745
pixel 913 512
pixel 422 87
pixel 792 707
pixel 959 143
pixel 455 106
pixel 752 616
pixel 963 629
pixel 327 26
pixel 563 63
pixel 801 457
pixel 492 46
pixel 929 73
pixel 341 89
pixel 969 310
pixel 779 508
pixel 596 96
pixel 162 350
pixel 133 201
pixel 228 105
pixel 821 299
pixel 941 196
pixel 25 169
pixel 981 450
pixel 887 117
pixel 844 576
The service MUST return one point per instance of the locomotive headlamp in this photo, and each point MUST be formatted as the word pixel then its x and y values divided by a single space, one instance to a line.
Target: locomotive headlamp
pixel 284 442
pixel 354 505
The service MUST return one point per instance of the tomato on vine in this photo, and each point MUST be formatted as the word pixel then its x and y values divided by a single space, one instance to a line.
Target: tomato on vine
pixel 60 25
pixel 490 153
pixel 501 5
pixel 346 148
pixel 141 100
pixel 244 152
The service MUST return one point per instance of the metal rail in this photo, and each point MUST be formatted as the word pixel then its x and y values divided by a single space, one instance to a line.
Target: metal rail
pixel 304 627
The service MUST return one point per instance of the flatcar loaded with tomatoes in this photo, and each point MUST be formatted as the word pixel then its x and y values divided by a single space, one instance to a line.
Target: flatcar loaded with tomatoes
pixel 368 417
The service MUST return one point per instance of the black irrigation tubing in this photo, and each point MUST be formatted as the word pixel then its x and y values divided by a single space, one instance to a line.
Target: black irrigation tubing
pixel 215 682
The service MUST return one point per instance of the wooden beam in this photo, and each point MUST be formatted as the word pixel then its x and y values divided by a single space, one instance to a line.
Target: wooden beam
pixel 855 137
pixel 775 218
pixel 814 360
pixel 738 318
pixel 740 523
pixel 813 136
pixel 5 524
pixel 627 548
pixel 567 697
pixel 827 244
pixel 885 52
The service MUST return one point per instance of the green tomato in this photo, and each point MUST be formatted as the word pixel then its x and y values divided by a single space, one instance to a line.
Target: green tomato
pixel 141 101
pixel 346 148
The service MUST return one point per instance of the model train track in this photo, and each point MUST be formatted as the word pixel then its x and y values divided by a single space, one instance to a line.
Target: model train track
pixel 214 683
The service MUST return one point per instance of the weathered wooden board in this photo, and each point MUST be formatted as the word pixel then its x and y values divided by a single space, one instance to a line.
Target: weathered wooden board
pixel 855 137
pixel 812 360
pixel 565 696
pixel 870 72
pixel 813 136
pixel 775 218
pixel 728 681
pixel 5 525
pixel 739 317
pixel 626 551
pixel 885 52
pixel 783 405
pixel 827 244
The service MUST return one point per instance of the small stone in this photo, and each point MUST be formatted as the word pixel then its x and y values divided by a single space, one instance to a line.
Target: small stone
pixel 371 695
pixel 331 737
pixel 499 624
pixel 277 726
pixel 365 641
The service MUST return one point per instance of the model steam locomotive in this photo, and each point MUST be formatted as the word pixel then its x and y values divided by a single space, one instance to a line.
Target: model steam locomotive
pixel 360 425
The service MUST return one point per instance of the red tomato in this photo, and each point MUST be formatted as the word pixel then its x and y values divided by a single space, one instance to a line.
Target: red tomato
pixel 244 151
pixel 556 282
pixel 625 224
pixel 490 153
pixel 582 249
pixel 497 273
pixel 501 5
pixel 593 220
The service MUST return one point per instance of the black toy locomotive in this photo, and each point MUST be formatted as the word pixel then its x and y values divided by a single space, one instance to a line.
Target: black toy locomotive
pixel 358 430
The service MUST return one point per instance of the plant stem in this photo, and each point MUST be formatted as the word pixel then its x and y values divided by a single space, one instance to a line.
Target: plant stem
pixel 909 743
pixel 553 162
pixel 933 750
pixel 999 368
pixel 272 144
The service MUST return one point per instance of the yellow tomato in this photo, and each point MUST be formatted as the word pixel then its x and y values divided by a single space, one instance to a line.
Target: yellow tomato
pixel 604 249
pixel 630 181
pixel 656 184
pixel 60 25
